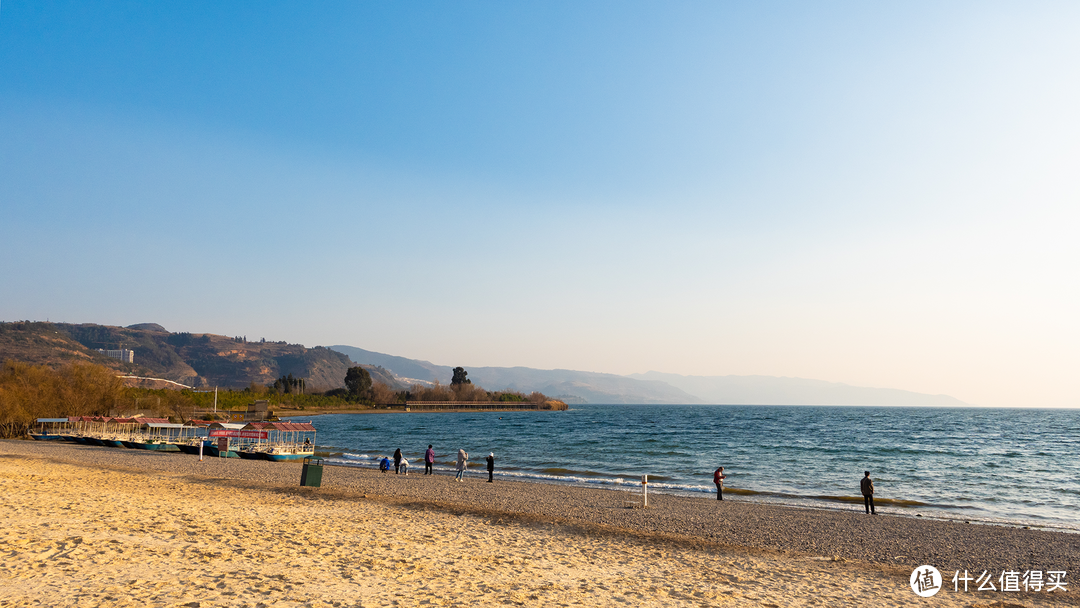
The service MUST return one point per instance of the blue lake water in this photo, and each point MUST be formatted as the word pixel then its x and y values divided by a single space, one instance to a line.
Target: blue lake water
pixel 1018 466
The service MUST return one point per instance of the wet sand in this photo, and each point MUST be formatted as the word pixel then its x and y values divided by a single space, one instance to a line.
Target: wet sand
pixel 85 526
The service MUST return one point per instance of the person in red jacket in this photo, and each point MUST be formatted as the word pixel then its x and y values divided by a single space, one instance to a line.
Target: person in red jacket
pixel 718 478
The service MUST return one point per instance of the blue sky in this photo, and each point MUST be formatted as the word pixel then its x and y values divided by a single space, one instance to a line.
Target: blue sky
pixel 883 195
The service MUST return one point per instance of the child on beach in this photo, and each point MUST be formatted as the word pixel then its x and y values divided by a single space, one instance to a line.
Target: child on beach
pixel 404 466
pixel 384 466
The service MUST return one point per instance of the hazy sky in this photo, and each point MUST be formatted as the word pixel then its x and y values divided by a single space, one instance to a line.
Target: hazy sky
pixel 882 194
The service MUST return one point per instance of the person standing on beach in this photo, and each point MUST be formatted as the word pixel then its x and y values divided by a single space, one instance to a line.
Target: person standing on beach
pixel 867 487
pixel 397 461
pixel 491 467
pixel 405 466
pixel 429 460
pixel 718 478
pixel 462 464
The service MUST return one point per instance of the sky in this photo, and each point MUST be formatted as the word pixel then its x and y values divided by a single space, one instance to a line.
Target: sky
pixel 880 194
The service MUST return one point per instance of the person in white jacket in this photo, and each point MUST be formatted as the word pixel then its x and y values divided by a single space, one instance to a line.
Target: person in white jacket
pixel 462 464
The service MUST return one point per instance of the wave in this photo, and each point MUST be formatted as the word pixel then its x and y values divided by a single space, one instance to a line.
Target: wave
pixel 657 483
pixel 576 473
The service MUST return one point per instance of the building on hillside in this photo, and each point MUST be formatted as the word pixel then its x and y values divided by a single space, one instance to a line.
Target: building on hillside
pixel 256 412
pixel 125 355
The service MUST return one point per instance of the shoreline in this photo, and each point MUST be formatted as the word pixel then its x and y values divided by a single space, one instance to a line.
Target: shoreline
pixel 745 523
pixel 803 543
pixel 843 504
pixel 323 412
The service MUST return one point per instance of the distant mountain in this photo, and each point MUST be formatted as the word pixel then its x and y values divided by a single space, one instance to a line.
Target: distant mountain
pixel 148 327
pixel 773 390
pixel 406 370
pixel 589 387
pixel 213 360
pixel 651 387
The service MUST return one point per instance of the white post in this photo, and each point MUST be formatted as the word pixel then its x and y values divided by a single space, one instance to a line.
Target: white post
pixel 645 489
pixel 200 450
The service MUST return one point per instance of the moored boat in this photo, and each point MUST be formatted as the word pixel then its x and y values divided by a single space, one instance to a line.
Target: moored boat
pixel 285 440
pixel 51 429
pixel 284 453
pixel 192 446
pixel 252 452
pixel 161 446
pixel 215 451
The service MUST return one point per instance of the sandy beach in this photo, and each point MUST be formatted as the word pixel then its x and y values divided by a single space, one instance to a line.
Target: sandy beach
pixel 86 526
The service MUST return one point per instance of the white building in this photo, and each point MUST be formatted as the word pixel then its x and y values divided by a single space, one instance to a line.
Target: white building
pixel 125 355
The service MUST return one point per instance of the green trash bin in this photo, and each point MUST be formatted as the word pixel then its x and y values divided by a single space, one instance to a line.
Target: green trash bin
pixel 311 475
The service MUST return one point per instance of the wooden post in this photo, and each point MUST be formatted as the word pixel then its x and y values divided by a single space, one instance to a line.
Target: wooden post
pixel 645 489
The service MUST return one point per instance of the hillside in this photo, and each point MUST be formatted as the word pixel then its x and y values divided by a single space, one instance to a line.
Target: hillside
pixel 652 387
pixel 205 360
pixel 200 360
pixel 567 385
pixel 44 344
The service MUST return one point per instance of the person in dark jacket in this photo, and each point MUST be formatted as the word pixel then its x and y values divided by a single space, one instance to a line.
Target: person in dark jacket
pixel 429 460
pixel 491 467
pixel 867 487
pixel 397 461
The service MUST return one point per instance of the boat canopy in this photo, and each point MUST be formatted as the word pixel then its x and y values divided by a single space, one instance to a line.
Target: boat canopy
pixel 281 426
pixel 226 425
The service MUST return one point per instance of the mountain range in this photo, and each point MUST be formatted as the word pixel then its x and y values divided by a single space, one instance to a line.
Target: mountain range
pixel 650 387
pixel 206 360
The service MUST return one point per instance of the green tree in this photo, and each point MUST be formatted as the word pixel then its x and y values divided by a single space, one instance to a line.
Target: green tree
pixel 459 377
pixel 358 381
pixel 289 385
